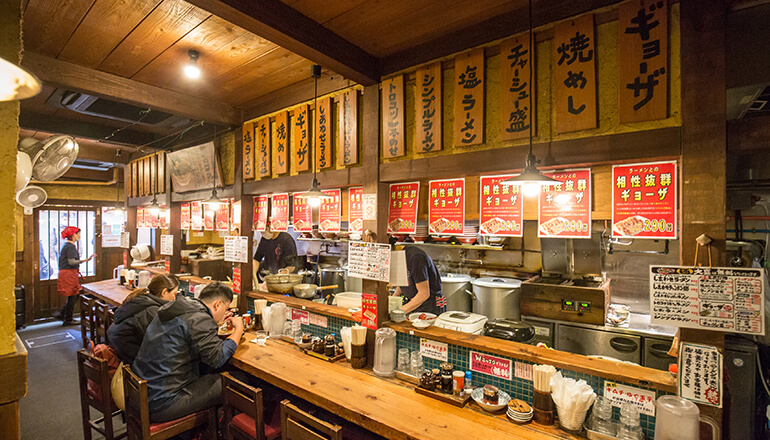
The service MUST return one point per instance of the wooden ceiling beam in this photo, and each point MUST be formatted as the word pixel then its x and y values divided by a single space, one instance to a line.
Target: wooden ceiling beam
pixel 55 124
pixel 292 95
pixel 288 28
pixel 64 74
pixel 91 175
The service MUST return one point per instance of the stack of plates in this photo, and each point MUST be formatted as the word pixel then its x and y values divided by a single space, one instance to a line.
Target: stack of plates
pixel 519 411
pixel 469 235
pixel 421 233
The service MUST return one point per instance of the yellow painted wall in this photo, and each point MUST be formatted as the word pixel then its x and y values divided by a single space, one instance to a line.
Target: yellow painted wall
pixel 106 193
pixel 208 237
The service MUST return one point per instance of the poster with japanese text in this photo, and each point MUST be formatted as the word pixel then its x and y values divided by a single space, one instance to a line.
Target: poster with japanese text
pixel 153 218
pixel 618 394
pixel 248 151
pixel 644 200
pixel 262 133
pixel 140 217
pixel 260 213
pixel 330 211
pixel 208 218
pixel 369 260
pixel 575 74
pixel 356 209
pixel 302 214
pixel 469 83
pixel 237 249
pixel 279 214
pixel 235 219
pixel 500 211
pixel 185 216
pixel 515 88
pixel 492 365
pixel 236 280
pixel 348 128
pixel 402 208
pixel 163 217
pixel 700 374
pixel 281 134
pixel 369 310
pixel 324 153
pixel 393 143
pixel 446 207
pixel 167 245
pixel 222 217
pixel 565 208
pixel 196 216
pixel 428 108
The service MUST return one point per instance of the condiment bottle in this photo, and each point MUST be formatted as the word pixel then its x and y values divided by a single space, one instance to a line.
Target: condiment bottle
pixel 436 379
pixel 468 383
pixel 446 377
pixel 458 382
pixel 330 346
pixel 490 394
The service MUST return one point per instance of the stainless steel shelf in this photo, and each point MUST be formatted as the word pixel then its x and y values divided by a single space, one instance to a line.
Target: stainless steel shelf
pixel 475 247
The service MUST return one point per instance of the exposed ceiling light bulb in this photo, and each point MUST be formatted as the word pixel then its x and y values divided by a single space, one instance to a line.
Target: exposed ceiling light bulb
pixel 16 83
pixel 531 189
pixel 314 201
pixel 191 68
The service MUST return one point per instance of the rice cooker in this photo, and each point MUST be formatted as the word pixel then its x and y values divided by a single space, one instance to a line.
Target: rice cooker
pixel 455 288
pixel 516 331
pixel 462 322
pixel 496 297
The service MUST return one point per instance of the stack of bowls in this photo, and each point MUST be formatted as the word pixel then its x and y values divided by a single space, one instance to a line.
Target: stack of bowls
pixel 469 235
pixel 421 233
pixel 519 411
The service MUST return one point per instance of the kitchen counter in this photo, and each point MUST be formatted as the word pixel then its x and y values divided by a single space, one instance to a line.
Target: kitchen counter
pixel 303 304
pixel 639 324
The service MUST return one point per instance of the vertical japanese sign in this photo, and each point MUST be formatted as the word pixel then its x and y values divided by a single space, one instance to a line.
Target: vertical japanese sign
pixel 279 214
pixel 369 310
pixel 281 159
pixel 248 151
pixel 565 207
pixel 643 41
pixel 446 207
pixel 428 108
pixel 700 374
pixel 644 200
pixel 300 138
pixel 348 126
pixel 323 134
pixel 515 89
pixel 236 280
pixel 356 209
pixel 235 218
pixel 262 133
pixel 161 171
pixel 500 211
pixel 393 142
pixel 302 214
pixel 469 98
pixel 196 216
pixel 575 74
pixel 260 213
pixel 329 212
pixel 185 216
pixel 402 209
pixel 139 217
pixel 223 216
pixel 208 217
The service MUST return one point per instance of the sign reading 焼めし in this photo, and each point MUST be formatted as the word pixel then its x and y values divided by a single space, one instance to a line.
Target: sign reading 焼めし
pixel 393 143
pixel 402 209
pixel 348 127
pixel 260 213
pixel 279 214
pixel 500 212
pixel 356 209
pixel 469 98
pixel 185 216
pixel 196 216
pixel 644 200
pixel 575 74
pixel 302 214
pixel 446 207
pixel 281 133
pixel 248 150
pixel 324 153
pixel 700 374
pixel 262 133
pixel 515 88
pixel 329 211
pixel 565 207
pixel 428 109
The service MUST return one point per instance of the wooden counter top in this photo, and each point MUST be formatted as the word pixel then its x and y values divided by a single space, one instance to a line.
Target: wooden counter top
pixel 305 304
pixel 108 291
pixel 381 406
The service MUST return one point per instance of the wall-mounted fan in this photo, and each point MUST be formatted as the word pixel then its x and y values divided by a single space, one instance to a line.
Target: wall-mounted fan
pixel 31 197
pixel 51 157
pixel 23 170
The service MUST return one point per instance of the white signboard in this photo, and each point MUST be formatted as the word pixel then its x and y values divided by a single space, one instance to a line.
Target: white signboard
pixel 434 350
pixel 125 238
pixel 236 249
pixel 700 374
pixel 644 400
pixel 370 207
pixel 369 260
pixel 110 240
pixel 167 245
pixel 724 299
pixel 522 370
pixel 319 320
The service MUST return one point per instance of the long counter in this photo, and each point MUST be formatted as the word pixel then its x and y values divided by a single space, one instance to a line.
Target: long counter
pixel 108 291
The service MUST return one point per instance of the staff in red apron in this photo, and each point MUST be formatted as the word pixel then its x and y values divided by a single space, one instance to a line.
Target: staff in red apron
pixel 68 283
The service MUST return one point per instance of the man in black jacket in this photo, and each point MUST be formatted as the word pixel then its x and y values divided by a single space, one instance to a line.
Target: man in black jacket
pixel 181 338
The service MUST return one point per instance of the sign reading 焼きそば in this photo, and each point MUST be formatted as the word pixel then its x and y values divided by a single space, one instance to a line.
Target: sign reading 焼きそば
pixel 644 200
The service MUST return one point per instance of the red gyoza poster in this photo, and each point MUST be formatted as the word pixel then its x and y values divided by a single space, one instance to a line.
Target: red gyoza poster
pixel 329 212
pixel 500 211
pixel 355 209
pixel 565 208
pixel 223 212
pixel 302 214
pixel 446 207
pixel 279 216
pixel 153 220
pixel 163 218
pixel 369 310
pixel 644 200
pixel 139 217
pixel 402 209
pixel 208 218
pixel 185 220
pixel 196 216
pixel 260 213
pixel 236 280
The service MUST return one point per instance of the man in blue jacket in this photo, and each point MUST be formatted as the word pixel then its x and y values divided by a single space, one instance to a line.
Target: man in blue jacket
pixel 180 341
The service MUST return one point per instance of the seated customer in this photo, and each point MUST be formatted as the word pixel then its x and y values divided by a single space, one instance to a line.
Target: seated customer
pixel 180 341
pixel 135 314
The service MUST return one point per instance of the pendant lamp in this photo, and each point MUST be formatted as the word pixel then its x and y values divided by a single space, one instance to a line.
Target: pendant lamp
pixel 314 195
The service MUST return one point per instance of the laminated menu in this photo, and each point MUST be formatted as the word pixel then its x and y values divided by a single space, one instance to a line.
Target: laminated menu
pixel 500 210
pixel 355 209
pixel 565 207
pixel 724 299
pixel 446 207
pixel 185 220
pixel 644 200
pixel 222 217
pixel 279 216
pixel 329 211
pixel 302 214
pixel 260 213
pixel 369 260
pixel 196 216
pixel 208 218
pixel 402 209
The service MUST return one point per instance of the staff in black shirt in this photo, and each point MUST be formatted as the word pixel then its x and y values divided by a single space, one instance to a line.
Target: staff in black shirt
pixel 276 251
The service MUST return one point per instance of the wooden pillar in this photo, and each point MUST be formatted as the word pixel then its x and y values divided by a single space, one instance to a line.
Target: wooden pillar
pixel 247 207
pixel 174 226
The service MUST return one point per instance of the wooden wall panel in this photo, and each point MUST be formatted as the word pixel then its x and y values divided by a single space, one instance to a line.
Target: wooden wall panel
pixel 322 131
pixel 161 174
pixel 348 127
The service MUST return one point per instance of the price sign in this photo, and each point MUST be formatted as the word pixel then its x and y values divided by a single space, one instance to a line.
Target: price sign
pixel 260 213
pixel 185 216
pixel 446 207
pixel 644 200
pixel 643 400
pixel 700 374
pixel 302 214
pixel 236 280
pixel 279 217
pixel 196 216
pixel 369 310
pixel 491 365
pixel 356 209
pixel 402 209
pixel 237 249
pixel 329 211
pixel 167 245
pixel 223 217
pixel 302 316
pixel 500 211
pixel 434 350
pixel 369 260
pixel 565 207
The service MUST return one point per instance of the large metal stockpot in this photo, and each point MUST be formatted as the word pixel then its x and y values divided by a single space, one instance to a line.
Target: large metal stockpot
pixel 333 275
pixel 455 288
pixel 496 297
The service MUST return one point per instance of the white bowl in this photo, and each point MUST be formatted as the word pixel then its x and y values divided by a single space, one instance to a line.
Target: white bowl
pixel 429 317
pixel 421 324
pixel 502 399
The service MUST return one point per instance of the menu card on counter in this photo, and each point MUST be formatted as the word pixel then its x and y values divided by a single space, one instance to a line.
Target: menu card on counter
pixel 260 213
pixel 185 216
pixel 167 245
pixel 402 209
pixel 279 217
pixel 223 216
pixel 329 212
pixel 724 299
pixel 700 374
pixel 140 217
pixel 208 218
pixel 500 211
pixel 565 208
pixel 302 214
pixel 369 260
pixel 356 209
pixel 446 207
pixel 237 249
pixel 644 200
pixel 196 216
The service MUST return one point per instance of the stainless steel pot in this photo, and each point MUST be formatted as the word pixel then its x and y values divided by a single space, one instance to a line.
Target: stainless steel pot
pixel 454 286
pixel 282 283
pixel 496 297
pixel 333 275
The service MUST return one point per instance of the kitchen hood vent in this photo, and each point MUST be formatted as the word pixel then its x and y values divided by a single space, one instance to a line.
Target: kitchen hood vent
pixel 748 102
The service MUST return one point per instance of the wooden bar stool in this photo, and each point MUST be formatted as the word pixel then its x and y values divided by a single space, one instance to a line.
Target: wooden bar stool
pixel 95 393
pixel 299 425
pixel 138 414
pixel 101 320
pixel 86 319
pixel 246 401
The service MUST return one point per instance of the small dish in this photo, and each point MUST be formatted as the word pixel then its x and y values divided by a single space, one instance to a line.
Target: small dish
pixel 422 316
pixel 502 401
pixel 421 324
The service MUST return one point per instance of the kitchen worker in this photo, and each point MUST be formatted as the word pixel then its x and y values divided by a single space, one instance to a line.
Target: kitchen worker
pixel 276 250
pixel 423 293
pixel 68 283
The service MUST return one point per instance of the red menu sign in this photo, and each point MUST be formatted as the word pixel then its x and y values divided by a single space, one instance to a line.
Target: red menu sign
pixel 139 217
pixel 302 214
pixel 501 210
pixel 152 221
pixel 167 266
pixel 402 209
pixel 369 310
pixel 356 209
pixel 644 200
pixel 329 213
pixel 236 280
pixel 491 365
pixel 279 217
pixel 196 216
pixel 223 214
pixel 565 208
pixel 208 218
pixel 185 221
pixel 260 213
pixel 163 219
pixel 446 207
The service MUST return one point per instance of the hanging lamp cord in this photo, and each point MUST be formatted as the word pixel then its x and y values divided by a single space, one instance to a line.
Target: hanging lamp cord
pixel 531 69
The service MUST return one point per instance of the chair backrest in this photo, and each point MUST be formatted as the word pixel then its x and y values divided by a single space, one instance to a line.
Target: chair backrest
pixel 93 373
pixel 137 407
pixel 299 425
pixel 86 319
pixel 101 321
pixel 242 398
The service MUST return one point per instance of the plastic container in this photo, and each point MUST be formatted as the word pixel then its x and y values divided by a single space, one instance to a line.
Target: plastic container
pixel 676 419
pixel 385 352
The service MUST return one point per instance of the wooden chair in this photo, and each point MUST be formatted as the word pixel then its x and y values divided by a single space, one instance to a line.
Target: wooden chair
pixel 95 392
pixel 138 414
pixel 299 425
pixel 249 421
pixel 101 320
pixel 86 319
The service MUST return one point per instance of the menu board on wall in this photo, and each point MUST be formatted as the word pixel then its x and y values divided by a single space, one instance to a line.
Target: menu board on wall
pixel 565 208
pixel 348 128
pixel 393 144
pixel 208 218
pixel 237 249
pixel 329 211
pixel 369 260
pixel 724 299
pixel 356 209
pixel 428 108
pixel 248 151
pixel 700 374
pixel 446 206
pixel 469 98
pixel 185 216
pixel 323 133
pixel 281 131
pixel 575 74
pixel 402 209
pixel 260 213
pixel 139 217
pixel 302 214
pixel 222 217
pixel 644 200
pixel 500 211
pixel 279 216
pixel 167 245
pixel 196 216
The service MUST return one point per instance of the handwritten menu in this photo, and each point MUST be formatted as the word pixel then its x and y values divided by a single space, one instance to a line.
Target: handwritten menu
pixel 369 310
pixel 644 200
pixel 279 216
pixel 236 280
pixel 329 212
pixel 167 245
pixel 260 213
pixel 491 365
pixel 434 350
pixel 700 374
pixel 237 249
pixel 565 208
pixel 500 211
pixel 643 400
pixel 125 238
pixel 196 216
pixel 208 218
pixel 446 206
pixel 356 209
pixel 302 214
pixel 402 209
pixel 714 298
pixel 185 216
pixel 222 217
pixel 139 217
pixel 369 260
